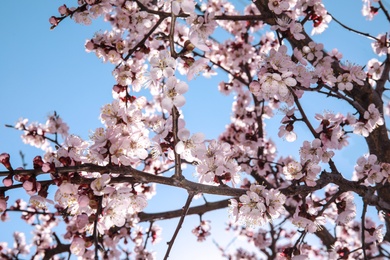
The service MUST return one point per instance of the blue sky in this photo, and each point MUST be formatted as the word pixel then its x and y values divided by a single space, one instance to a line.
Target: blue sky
pixel 42 71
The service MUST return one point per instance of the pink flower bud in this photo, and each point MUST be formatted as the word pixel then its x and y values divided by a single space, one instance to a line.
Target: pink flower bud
pixel 53 21
pixel 28 185
pixel 8 181
pixel 48 167
pixel 3 204
pixel 90 46
pixel 37 162
pixel 4 159
pixel 63 10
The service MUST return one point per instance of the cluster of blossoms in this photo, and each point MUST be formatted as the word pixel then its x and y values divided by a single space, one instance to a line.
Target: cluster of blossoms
pixel 20 247
pixel 42 232
pixel 162 66
pixel 36 134
pixel 142 47
pixel 126 139
pixel 202 231
pixel 286 130
pixel 317 13
pixel 369 170
pixel 294 171
pixel 343 210
pixel 202 27
pixel 119 206
pixel 307 217
pixel 258 206
pixel 276 78
pixel 347 240
pixel 290 26
pixel 371 120
pixel 216 164
pixel 331 136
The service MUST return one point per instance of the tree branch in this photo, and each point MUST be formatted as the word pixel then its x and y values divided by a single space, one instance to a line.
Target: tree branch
pixel 198 210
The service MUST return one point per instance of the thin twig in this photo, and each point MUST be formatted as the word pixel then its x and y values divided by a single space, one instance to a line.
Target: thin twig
pixel 327 204
pixel 363 229
pixel 41 135
pixel 303 114
pixel 139 44
pixel 353 30
pixel 95 231
pixel 384 10
pixel 197 210
pixel 381 82
pixel 184 210
pixel 148 234
pixel 171 36
pixel 175 129
pixel 23 161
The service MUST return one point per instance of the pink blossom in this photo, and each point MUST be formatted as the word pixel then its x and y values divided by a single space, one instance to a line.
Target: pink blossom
pixel 82 17
pixel 368 168
pixel 201 28
pixel 77 247
pixel 20 242
pixel 82 221
pixel 374 71
pixel 187 146
pixel 83 201
pixel 336 54
pixel 31 186
pixel 187 6
pixel 278 6
pixel 313 51
pixel 308 225
pixel 296 30
pixel 287 132
pixel 344 82
pixel 276 85
pixel 99 185
pixel 293 170
pixel 67 197
pixel 55 125
pixel 39 202
pixel 173 93
pixel 346 208
pixel 368 10
pixel 163 65
pixel 197 67
pixel 372 119
pixel 374 234
pixel 381 46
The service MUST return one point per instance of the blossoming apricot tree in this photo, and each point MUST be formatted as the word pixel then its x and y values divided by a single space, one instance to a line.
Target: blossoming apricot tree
pixel 101 186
